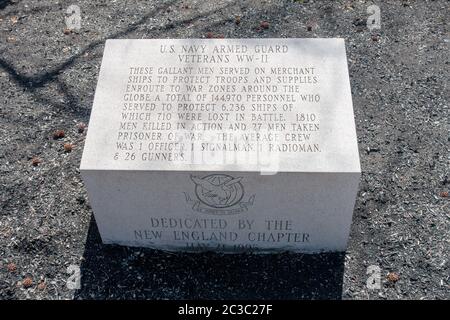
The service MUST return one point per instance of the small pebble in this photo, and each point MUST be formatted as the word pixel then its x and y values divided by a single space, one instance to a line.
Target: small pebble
pixel 11 267
pixel 264 25
pixel 35 161
pixel 58 134
pixel 68 147
pixel 42 285
pixel 81 127
pixel 393 277
pixel 27 282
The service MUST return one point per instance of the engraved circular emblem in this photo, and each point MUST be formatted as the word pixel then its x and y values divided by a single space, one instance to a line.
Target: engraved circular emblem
pixel 219 190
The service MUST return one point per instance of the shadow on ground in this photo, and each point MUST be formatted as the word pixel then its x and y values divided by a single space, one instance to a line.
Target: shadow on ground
pixel 135 273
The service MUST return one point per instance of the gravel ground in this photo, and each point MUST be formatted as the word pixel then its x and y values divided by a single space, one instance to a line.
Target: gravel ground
pixel 399 77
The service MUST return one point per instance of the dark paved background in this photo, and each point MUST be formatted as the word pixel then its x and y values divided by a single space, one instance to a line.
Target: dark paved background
pixel 399 77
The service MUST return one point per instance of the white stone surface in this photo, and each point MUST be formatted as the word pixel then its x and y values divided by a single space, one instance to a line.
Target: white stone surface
pixel 288 113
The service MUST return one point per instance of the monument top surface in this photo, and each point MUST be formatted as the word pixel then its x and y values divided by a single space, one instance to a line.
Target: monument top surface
pixel 223 105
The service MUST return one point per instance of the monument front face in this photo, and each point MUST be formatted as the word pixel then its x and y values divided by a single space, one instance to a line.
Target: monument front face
pixel 227 144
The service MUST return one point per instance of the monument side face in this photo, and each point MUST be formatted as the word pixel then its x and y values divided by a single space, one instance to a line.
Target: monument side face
pixel 298 212
pixel 228 145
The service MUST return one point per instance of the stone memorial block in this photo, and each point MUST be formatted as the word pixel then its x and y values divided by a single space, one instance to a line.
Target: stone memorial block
pixel 223 144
